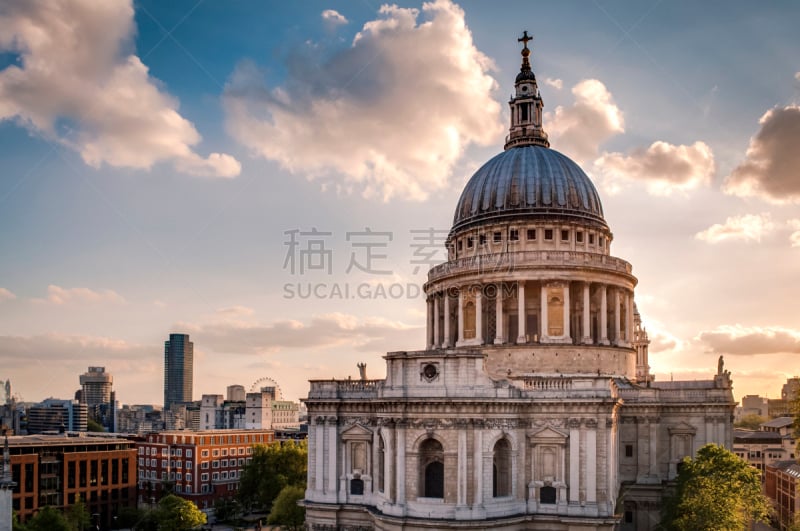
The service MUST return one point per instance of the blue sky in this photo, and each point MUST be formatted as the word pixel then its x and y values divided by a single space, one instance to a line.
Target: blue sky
pixel 155 155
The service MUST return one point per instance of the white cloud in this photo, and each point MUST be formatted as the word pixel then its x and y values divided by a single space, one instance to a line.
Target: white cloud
pixel 333 17
pixel 770 167
pixel 59 295
pixel 235 311
pixel 6 295
pixel 580 129
pixel 664 167
pixel 797 76
pixel 324 331
pixel 555 83
pixel 22 350
pixel 747 228
pixel 741 340
pixel 388 116
pixel 77 83
pixel 794 237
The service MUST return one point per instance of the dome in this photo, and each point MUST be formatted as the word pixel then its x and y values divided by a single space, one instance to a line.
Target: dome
pixel 529 181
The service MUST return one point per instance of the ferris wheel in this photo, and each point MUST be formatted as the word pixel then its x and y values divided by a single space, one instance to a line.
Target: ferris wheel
pixel 267 382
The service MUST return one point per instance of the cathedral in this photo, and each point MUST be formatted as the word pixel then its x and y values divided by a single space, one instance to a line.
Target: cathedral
pixel 532 406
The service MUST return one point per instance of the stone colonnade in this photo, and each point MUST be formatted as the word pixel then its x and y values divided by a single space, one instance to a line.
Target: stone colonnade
pixel 460 316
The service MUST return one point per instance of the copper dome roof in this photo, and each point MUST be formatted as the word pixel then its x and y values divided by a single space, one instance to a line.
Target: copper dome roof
pixel 529 181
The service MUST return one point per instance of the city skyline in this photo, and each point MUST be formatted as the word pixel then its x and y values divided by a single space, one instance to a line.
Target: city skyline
pixel 284 176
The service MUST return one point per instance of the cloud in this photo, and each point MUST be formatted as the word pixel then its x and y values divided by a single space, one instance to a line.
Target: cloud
pixel 740 340
pixel 665 168
pixel 794 237
pixel 76 83
pixel 797 76
pixel 324 331
pixel 333 17
pixel 6 295
pixel 555 83
pixel 24 350
pixel 59 295
pixel 388 116
pixel 580 129
pixel 235 311
pixel 769 170
pixel 747 228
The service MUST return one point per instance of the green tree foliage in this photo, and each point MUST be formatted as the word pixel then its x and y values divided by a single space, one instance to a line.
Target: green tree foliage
pixel 716 491
pixel 78 516
pixel 93 425
pixel 226 509
pixel 272 468
pixel 48 519
pixel 176 514
pixel 129 517
pixel 751 422
pixel 285 511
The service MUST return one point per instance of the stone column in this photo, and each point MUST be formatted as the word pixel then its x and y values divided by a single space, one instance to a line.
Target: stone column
pixel 332 479
pixel 653 448
pixel 629 319
pixel 521 318
pixel 388 480
pixel 587 318
pixel 477 460
pixel 319 454
pixel 574 461
pixel 429 321
pixel 603 314
pixel 460 317
pixel 567 313
pixel 436 337
pixel 543 333
pixel 479 315
pixel 461 481
pixel 499 337
pixel 446 343
pixel 617 323
pixel 400 430
pixel 591 464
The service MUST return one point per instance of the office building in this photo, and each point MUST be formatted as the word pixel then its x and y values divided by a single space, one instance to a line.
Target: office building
pixel 178 370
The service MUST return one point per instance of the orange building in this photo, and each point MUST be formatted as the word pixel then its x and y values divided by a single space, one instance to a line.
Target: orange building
pixel 200 466
pixel 56 470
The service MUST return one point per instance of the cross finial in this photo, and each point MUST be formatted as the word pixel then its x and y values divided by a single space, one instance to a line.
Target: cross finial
pixel 525 39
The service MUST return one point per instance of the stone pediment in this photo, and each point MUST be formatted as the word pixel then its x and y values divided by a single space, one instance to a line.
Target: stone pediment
pixel 682 428
pixel 549 434
pixel 357 432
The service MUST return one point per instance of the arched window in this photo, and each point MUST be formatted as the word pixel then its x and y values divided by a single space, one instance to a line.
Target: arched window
pixel 431 460
pixel 547 495
pixel 469 320
pixel 501 469
pixel 357 486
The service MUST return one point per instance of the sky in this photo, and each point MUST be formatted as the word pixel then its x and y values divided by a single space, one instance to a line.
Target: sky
pixel 276 178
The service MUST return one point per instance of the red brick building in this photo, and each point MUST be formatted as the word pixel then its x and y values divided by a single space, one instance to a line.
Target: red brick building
pixel 201 466
pixel 55 470
pixel 781 486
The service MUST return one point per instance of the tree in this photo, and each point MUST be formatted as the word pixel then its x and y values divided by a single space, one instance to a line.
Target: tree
pixel 271 469
pixel 176 514
pixel 750 422
pixel 93 425
pixel 48 519
pixel 78 516
pixel 285 510
pixel 226 509
pixel 716 491
pixel 128 517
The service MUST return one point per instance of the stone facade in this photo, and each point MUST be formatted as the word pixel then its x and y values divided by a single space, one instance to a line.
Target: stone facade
pixel 532 406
